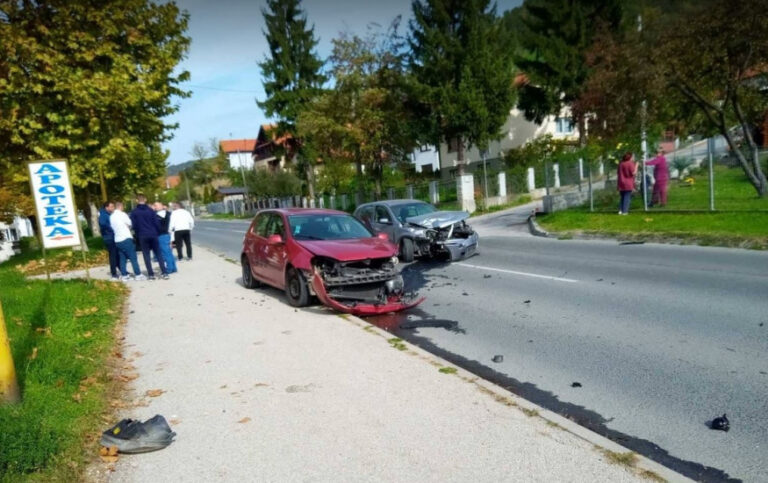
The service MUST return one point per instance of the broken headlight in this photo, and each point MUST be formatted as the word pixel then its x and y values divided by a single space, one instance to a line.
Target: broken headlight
pixel 395 285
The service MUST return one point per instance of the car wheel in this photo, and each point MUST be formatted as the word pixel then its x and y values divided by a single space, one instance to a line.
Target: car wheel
pixel 296 288
pixel 406 250
pixel 248 279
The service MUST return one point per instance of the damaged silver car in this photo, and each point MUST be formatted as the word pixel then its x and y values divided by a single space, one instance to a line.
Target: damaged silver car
pixel 420 230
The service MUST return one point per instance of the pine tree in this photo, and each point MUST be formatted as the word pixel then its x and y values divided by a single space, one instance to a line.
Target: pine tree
pixel 291 72
pixel 461 63
pixel 555 37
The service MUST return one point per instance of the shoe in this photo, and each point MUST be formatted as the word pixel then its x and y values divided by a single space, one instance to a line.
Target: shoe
pixel 165 276
pixel 126 278
pixel 115 278
pixel 151 277
pixel 140 278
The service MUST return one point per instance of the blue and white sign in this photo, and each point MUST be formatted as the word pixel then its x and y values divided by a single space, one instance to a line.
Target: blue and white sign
pixel 56 213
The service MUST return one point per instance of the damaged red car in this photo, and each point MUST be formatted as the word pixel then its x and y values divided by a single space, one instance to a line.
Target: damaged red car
pixel 328 254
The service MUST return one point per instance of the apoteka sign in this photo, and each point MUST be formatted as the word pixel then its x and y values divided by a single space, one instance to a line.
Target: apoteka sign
pixel 56 213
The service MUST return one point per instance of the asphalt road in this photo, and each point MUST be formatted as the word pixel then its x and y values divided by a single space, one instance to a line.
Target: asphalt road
pixel 661 338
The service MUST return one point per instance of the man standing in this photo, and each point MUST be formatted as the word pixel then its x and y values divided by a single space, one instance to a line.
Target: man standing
pixel 181 226
pixel 108 237
pixel 164 218
pixel 147 229
pixel 121 228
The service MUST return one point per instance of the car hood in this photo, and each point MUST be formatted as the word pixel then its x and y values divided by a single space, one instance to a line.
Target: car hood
pixel 349 250
pixel 438 219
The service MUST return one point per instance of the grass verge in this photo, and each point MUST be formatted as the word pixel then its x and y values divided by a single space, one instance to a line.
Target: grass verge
pixel 62 334
pixel 744 225
pixel 30 261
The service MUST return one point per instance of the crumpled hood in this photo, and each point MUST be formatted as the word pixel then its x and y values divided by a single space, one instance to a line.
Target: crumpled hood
pixel 351 249
pixel 438 219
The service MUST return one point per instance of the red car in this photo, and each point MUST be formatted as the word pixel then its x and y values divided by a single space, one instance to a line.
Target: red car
pixel 325 253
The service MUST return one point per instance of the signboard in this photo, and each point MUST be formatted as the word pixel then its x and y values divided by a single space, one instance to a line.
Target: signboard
pixel 56 213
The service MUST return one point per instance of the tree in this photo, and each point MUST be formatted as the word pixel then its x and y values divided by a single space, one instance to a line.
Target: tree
pixel 462 69
pixel 291 73
pixel 91 82
pixel 703 67
pixel 363 120
pixel 554 40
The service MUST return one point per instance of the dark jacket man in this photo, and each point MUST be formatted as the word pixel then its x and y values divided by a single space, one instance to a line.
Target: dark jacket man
pixel 107 234
pixel 145 222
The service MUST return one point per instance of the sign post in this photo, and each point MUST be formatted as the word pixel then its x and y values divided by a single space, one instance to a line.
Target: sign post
pixel 57 220
pixel 9 388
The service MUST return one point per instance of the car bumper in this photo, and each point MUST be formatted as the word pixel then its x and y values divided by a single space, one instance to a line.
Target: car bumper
pixel 460 248
pixel 393 305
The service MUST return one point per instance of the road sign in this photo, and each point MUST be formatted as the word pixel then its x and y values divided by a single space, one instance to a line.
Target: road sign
pixel 56 214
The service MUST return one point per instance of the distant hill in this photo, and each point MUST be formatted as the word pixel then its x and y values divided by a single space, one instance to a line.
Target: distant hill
pixel 175 169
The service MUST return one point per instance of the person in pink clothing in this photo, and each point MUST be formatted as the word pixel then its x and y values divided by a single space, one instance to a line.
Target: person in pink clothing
pixel 626 181
pixel 661 175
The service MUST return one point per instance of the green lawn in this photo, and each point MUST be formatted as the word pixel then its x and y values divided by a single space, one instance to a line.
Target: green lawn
pixel 62 334
pixel 741 219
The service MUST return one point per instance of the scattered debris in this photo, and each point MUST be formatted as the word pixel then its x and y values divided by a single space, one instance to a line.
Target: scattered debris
pixel 464 294
pixel 487 276
pixel 575 384
pixel 526 301
pixel 108 455
pixel 721 423
pixel 599 280
pixel 432 323
pixel 760 324
pixel 133 436
pixel 632 243
pixel 498 358
pixel 244 420
pixel 154 392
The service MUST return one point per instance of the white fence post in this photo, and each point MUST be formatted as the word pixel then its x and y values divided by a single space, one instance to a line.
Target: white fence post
pixel 556 170
pixel 409 192
pixel 465 189
pixel 531 179
pixel 581 169
pixel 434 192
pixel 502 184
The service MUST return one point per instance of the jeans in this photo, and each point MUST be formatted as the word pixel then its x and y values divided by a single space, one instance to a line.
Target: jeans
pixel 165 250
pixel 180 236
pixel 151 243
pixel 127 250
pixel 626 197
pixel 109 245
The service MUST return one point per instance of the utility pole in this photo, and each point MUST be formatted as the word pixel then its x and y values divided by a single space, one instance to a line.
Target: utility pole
pixel 643 135
pixel 485 176
pixel 710 149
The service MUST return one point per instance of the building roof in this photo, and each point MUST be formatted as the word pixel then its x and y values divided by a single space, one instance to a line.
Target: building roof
pixel 267 135
pixel 231 190
pixel 235 145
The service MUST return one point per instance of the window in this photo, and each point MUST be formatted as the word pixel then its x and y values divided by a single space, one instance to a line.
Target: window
pixel 275 225
pixel 563 125
pixel 413 209
pixel 381 213
pixel 326 227
pixel 260 225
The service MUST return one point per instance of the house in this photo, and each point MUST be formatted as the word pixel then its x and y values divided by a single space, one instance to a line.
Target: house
pixel 172 181
pixel 426 159
pixel 516 132
pixel 240 152
pixel 10 234
pixel 272 151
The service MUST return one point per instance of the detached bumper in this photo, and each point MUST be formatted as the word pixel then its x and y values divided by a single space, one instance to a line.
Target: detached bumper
pixel 459 248
pixel 401 303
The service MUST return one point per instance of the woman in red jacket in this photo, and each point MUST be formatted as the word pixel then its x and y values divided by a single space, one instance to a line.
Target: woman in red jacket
pixel 626 181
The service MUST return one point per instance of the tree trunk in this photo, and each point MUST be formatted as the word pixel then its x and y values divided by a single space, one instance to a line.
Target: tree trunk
pixel 582 126
pixel 311 179
pixel 756 177
pixel 91 214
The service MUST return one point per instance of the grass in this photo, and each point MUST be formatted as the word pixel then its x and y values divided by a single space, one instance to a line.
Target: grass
pixel 742 221
pixel 625 459
pixel 530 412
pixel 397 344
pixel 228 216
pixel 61 335
pixel 519 200
pixel 447 370
pixel 30 261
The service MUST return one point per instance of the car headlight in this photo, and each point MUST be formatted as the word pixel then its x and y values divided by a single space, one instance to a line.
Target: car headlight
pixel 418 232
pixel 395 260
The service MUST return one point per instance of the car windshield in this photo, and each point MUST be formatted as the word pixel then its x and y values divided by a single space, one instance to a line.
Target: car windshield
pixel 402 212
pixel 326 227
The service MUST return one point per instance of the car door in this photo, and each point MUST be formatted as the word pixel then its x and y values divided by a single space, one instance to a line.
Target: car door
pixel 275 253
pixel 258 244
pixel 383 222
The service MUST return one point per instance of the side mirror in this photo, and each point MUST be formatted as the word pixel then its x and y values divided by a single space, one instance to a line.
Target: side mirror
pixel 382 236
pixel 385 221
pixel 274 240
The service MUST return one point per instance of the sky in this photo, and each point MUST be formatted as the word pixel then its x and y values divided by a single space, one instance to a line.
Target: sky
pixel 228 42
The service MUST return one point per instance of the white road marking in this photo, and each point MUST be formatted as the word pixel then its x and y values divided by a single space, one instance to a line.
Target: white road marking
pixel 242 232
pixel 513 272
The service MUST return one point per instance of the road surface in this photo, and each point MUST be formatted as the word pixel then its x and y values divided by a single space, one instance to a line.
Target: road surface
pixel 661 338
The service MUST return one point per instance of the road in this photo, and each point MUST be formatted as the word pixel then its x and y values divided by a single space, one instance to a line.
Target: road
pixel 661 338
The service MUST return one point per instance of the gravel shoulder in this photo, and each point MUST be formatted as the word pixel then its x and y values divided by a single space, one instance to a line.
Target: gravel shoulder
pixel 257 390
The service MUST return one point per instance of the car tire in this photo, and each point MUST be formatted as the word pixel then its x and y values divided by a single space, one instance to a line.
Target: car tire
pixel 249 281
pixel 406 250
pixel 296 288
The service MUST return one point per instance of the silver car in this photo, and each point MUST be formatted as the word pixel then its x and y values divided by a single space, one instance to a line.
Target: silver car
pixel 419 229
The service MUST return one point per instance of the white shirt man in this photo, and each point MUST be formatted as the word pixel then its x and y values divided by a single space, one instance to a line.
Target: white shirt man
pixel 181 225
pixel 121 224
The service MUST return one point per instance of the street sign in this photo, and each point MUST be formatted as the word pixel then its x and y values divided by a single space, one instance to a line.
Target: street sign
pixel 56 214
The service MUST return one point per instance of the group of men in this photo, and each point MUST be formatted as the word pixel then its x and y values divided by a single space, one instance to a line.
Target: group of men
pixel 152 227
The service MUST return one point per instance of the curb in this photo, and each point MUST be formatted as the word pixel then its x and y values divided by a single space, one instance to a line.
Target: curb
pixel 643 465
pixel 535 229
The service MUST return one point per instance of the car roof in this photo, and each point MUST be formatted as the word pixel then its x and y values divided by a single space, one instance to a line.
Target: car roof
pixel 304 211
pixel 393 202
